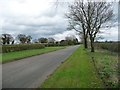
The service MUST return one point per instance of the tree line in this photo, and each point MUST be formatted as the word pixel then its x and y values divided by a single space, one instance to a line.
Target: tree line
pixel 7 39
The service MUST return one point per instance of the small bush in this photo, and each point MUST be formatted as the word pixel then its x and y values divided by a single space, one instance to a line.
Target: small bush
pixel 20 47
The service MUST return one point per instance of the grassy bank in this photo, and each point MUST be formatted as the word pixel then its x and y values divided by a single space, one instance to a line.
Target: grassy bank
pixel 106 63
pixel 76 72
pixel 11 56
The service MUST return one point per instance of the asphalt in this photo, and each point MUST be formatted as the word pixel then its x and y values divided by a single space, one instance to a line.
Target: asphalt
pixel 31 72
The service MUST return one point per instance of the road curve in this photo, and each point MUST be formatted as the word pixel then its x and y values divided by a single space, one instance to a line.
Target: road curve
pixel 31 72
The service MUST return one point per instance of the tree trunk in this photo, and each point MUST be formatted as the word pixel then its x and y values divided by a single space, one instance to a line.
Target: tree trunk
pixel 85 43
pixel 92 44
pixel 4 42
pixel 85 39
pixel 92 47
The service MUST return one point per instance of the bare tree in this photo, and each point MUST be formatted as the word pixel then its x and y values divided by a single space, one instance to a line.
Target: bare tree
pixel 43 40
pixel 100 14
pixel 90 16
pixel 22 38
pixel 51 40
pixel 29 38
pixel 77 20
pixel 6 38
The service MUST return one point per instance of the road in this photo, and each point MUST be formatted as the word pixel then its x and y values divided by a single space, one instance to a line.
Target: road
pixel 31 72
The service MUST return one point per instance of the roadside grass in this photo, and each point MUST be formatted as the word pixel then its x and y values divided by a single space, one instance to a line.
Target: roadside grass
pixel 12 56
pixel 106 63
pixel 76 72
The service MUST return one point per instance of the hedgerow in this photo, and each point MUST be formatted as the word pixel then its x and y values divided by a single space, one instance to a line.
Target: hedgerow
pixel 111 46
pixel 20 47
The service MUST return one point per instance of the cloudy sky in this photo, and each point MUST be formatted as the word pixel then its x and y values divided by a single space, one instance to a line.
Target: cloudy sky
pixel 40 18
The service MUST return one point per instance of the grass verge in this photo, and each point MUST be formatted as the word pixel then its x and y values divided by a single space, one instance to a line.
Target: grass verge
pixel 12 56
pixel 76 72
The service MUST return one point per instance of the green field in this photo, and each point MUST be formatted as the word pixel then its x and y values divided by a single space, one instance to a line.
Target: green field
pixel 76 72
pixel 11 56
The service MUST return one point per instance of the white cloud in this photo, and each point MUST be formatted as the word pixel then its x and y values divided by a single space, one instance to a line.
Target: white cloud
pixel 110 34
pixel 24 7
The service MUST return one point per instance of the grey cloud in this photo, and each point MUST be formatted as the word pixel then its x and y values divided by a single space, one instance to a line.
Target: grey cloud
pixel 55 24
